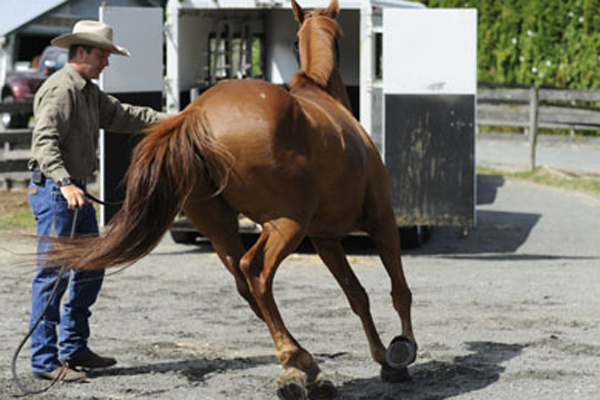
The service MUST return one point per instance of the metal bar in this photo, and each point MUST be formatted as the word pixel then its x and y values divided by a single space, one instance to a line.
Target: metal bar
pixel 14 108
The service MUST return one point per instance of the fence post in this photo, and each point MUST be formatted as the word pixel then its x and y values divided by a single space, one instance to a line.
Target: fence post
pixel 534 93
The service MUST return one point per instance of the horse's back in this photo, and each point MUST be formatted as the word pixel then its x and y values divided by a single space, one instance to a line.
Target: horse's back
pixel 260 125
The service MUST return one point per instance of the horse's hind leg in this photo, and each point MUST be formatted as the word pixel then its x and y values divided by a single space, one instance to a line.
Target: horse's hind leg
pixel 219 222
pixel 278 239
pixel 381 226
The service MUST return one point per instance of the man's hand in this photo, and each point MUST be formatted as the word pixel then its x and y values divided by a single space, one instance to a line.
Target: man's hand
pixel 74 195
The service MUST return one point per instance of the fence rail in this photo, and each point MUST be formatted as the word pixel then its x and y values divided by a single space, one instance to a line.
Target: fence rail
pixel 557 108
pixel 14 149
pixel 537 107
pixel 14 153
pixel 16 108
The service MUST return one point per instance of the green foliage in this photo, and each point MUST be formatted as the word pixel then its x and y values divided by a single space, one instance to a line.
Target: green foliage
pixel 550 42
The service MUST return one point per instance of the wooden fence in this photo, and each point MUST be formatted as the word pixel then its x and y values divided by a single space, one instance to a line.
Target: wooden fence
pixel 537 107
pixel 15 150
pixel 14 153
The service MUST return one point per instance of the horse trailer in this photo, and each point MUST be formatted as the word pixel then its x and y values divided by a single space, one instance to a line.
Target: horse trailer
pixel 410 73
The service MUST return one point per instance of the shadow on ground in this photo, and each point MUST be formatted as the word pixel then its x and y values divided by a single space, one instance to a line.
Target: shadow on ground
pixel 194 370
pixel 431 380
pixel 440 380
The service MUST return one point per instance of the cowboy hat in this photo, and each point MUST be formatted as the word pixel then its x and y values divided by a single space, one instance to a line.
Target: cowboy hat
pixel 91 33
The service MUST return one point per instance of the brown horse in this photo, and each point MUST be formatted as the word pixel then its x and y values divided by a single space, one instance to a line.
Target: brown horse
pixel 297 163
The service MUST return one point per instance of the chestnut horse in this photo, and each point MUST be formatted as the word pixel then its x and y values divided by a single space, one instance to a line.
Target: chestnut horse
pixel 297 163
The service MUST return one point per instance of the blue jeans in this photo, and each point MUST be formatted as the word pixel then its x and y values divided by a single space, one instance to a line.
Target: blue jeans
pixel 55 219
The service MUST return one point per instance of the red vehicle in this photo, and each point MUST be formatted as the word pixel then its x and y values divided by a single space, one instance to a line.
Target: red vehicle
pixel 20 86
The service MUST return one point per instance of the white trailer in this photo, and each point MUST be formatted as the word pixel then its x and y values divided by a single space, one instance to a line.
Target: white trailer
pixel 410 73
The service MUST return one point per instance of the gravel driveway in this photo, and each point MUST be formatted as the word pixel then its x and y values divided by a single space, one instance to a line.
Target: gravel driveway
pixel 510 311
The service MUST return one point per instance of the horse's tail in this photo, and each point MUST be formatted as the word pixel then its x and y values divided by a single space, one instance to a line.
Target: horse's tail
pixel 166 165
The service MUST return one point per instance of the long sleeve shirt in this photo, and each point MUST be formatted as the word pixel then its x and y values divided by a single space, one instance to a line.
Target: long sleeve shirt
pixel 69 112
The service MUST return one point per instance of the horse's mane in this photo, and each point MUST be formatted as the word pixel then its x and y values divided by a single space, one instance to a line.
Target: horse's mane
pixel 317 49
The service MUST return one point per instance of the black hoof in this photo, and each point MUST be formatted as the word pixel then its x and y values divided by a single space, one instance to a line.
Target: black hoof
pixel 322 390
pixel 395 375
pixel 401 352
pixel 292 390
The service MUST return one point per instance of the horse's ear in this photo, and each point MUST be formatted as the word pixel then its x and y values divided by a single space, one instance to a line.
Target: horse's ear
pixel 334 9
pixel 298 12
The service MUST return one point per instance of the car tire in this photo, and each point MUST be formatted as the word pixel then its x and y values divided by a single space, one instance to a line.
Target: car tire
pixel 412 237
pixel 13 121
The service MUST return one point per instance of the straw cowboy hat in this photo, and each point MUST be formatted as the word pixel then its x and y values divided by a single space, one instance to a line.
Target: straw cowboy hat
pixel 91 33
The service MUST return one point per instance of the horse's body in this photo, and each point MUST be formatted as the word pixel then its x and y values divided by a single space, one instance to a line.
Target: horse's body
pixel 297 163
pixel 296 155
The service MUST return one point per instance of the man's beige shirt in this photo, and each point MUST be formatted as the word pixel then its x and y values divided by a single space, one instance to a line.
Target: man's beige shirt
pixel 69 112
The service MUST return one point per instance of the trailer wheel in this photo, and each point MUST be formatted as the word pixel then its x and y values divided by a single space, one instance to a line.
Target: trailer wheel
pixel 184 237
pixel 412 237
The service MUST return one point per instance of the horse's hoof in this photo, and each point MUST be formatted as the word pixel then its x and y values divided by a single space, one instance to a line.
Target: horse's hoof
pixel 395 375
pixel 401 352
pixel 292 391
pixel 291 386
pixel 322 389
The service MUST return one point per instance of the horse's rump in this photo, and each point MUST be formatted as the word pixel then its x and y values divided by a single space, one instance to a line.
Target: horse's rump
pixel 298 152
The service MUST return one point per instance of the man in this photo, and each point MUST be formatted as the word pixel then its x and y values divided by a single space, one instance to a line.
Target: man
pixel 69 110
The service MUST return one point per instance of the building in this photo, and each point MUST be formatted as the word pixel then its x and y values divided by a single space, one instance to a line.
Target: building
pixel 27 26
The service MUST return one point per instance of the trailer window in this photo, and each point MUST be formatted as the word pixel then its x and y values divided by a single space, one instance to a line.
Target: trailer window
pixel 234 54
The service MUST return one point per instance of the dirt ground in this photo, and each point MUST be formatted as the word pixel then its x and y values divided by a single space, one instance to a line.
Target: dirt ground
pixel 13 201
pixel 510 311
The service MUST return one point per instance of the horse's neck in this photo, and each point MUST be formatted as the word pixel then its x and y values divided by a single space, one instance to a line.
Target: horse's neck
pixel 335 87
pixel 318 61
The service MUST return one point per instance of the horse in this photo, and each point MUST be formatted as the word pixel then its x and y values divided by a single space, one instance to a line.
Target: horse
pixel 294 161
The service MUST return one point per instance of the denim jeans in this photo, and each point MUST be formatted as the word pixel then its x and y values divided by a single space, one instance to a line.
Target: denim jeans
pixel 55 219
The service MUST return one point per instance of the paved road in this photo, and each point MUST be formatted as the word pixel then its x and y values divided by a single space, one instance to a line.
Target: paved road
pixel 512 151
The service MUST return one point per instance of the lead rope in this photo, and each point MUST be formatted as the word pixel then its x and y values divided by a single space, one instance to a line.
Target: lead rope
pixel 103 202
pixel 65 366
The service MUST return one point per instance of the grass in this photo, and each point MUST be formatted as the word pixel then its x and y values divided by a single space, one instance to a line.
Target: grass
pixel 17 220
pixel 551 177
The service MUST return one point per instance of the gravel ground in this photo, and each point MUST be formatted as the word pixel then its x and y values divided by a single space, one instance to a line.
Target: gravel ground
pixel 511 311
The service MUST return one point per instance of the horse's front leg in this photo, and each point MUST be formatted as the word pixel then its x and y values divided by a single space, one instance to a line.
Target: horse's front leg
pixel 333 255
pixel 278 239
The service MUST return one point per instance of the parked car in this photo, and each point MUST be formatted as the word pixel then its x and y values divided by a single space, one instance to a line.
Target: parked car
pixel 20 86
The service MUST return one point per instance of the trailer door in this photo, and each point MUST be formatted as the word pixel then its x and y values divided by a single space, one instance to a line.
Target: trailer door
pixel 137 79
pixel 429 85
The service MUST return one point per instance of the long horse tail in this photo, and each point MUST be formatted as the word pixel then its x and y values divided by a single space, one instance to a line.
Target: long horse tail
pixel 169 161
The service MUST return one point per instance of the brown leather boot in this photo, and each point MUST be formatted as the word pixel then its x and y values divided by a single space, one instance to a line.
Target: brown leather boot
pixel 66 375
